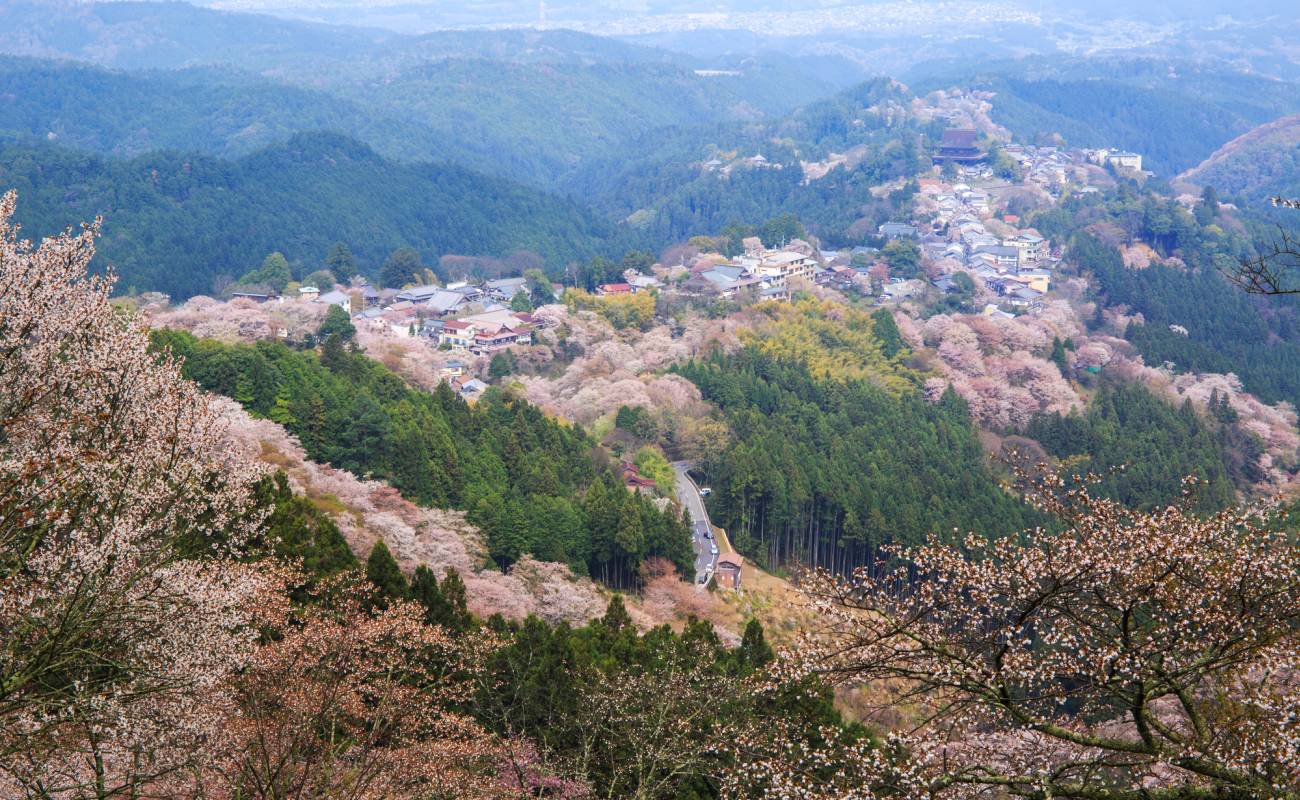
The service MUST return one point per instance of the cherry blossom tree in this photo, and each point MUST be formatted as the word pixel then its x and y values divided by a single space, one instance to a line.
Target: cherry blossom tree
pixel 345 704
pixel 113 646
pixel 1122 655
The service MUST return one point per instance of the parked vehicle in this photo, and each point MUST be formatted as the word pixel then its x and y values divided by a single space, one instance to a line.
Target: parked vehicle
pixel 705 491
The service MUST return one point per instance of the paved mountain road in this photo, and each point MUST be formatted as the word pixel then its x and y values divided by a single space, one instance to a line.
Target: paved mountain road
pixel 689 496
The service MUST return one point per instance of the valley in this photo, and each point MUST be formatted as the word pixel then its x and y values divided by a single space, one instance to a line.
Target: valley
pixel 755 401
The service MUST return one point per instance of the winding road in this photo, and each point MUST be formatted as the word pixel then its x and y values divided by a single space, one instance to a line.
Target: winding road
pixel 689 496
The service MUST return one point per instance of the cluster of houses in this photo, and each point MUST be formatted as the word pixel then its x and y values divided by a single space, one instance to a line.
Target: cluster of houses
pixel 1017 268
pixel 461 316
pixel 764 272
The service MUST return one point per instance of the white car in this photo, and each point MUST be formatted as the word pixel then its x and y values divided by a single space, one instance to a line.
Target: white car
pixel 713 550
pixel 705 491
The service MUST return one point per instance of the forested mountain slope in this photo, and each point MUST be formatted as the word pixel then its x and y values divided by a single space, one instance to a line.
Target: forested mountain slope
pixel 211 110
pixel 173 221
pixel 1174 113
pixel 1262 163
pixel 528 482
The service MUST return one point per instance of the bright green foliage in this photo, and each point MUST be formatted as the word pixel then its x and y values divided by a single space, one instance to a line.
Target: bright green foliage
pixel 384 574
pixel 651 463
pixel 539 287
pixel 337 321
pixel 826 471
pixel 1150 445
pixel 833 341
pixel 274 273
pixel 521 301
pixel 526 480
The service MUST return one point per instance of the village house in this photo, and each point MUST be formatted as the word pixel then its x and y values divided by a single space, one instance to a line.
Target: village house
pixel 604 290
pixel 308 293
pixel 505 289
pixel 728 571
pixel 336 298
pixel 1004 258
pixel 633 480
pixel 256 296
pixel 487 333
pixel 897 230
pixel 779 267
pixel 1030 245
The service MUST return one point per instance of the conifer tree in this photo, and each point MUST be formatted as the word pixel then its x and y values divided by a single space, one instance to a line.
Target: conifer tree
pixel 382 571
pixel 754 650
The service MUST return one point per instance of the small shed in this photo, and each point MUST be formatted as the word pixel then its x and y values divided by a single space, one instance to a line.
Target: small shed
pixel 728 571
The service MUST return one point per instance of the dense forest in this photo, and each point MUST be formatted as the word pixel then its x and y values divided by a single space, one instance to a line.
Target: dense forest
pixel 825 471
pixel 1227 330
pixel 176 222
pixel 528 482
pixel 1141 447
pixel 659 186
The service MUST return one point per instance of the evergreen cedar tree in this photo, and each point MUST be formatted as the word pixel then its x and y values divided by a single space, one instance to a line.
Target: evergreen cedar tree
pixel 526 481
pixel 400 268
pixel 809 453
pixel 341 262
pixel 336 322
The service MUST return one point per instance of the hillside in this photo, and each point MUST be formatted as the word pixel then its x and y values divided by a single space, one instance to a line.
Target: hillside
pixel 211 110
pixel 174 222
pixel 1174 113
pixel 1260 163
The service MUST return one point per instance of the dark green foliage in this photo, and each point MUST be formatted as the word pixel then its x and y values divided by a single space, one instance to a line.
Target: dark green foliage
pixel 174 222
pixel 826 472
pixel 400 268
pixel 538 682
pixel 528 482
pixel 1142 446
pixel 904 258
pixel 754 650
pixel 444 605
pixel 341 262
pixel 337 322
pixel 637 421
pixel 1258 339
pixel 303 533
pixel 501 365
pixel 384 574
pixel 453 593
pixel 1058 356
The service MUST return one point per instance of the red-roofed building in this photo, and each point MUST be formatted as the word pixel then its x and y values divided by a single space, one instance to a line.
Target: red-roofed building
pixel 614 288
